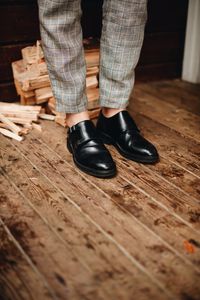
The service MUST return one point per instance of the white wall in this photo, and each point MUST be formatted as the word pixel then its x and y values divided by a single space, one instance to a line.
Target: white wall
pixel 191 61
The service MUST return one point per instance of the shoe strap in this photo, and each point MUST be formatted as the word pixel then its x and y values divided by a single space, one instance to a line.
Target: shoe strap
pixel 83 132
pixel 127 124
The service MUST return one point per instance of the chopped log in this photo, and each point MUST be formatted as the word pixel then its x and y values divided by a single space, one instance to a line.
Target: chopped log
pixel 37 126
pixel 14 128
pixel 12 114
pixel 51 105
pixel 27 94
pixel 92 71
pixel 43 94
pixel 2 125
pixel 52 100
pixel 23 115
pixel 18 107
pixel 22 121
pixel 91 82
pixel 94 113
pixel 38 68
pixel 92 57
pixel 20 114
pixel 93 98
pixel 47 117
pixel 35 83
pixel 29 126
pixel 10 134
pixel 42 68
pixel 40 53
pixel 32 54
pixel 60 118
pixel 93 104
pixel 27 101
pixel 28 79
pixel 29 55
pixel 19 71
pixel 51 108
pixel 19 89
pixel 92 94
pixel 25 131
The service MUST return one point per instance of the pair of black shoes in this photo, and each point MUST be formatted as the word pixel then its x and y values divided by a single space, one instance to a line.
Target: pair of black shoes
pixel 86 143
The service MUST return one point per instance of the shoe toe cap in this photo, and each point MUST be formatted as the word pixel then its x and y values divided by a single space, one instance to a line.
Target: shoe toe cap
pixel 144 150
pixel 150 151
pixel 102 163
pixel 99 162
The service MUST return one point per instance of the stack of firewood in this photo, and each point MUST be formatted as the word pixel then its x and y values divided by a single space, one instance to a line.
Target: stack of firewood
pixel 17 120
pixel 33 85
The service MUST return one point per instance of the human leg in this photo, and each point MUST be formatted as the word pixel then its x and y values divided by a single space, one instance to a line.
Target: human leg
pixel 61 36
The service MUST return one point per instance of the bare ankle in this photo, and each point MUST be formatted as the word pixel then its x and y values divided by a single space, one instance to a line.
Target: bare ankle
pixel 109 112
pixel 74 118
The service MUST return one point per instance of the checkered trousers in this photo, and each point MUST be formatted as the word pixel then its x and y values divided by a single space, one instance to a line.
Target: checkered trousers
pixel 121 42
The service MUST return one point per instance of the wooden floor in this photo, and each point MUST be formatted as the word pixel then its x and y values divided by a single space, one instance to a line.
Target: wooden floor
pixel 65 235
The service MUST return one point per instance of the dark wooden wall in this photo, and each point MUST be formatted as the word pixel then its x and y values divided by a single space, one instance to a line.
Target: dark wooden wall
pixel 161 55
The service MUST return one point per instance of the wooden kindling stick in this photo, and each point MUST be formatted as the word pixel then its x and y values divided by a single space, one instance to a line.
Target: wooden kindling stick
pixel 19 107
pixel 22 115
pixel 10 134
pixel 14 128
pixel 47 117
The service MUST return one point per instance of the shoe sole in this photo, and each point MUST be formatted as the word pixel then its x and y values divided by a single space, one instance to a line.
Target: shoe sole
pixel 106 139
pixel 99 174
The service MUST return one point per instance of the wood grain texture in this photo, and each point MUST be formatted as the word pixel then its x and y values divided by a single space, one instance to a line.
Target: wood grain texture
pixel 75 237
pixel 176 118
pixel 172 92
pixel 86 238
pixel 132 180
pixel 19 276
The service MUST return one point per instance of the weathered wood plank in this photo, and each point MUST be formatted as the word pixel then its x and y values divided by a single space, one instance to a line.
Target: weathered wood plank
pixel 18 276
pixel 48 254
pixel 172 145
pixel 153 227
pixel 170 206
pixel 155 186
pixel 41 248
pixel 170 92
pixel 173 199
pixel 144 238
pixel 100 254
pixel 179 149
pixel 8 290
pixel 190 87
pixel 182 121
pixel 178 177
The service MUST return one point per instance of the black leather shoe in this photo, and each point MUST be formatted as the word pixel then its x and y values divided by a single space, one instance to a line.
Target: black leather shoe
pixel 122 132
pixel 89 153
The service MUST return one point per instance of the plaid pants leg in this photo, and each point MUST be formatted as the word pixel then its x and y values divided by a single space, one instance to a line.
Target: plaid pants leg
pixel 121 42
pixel 61 36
